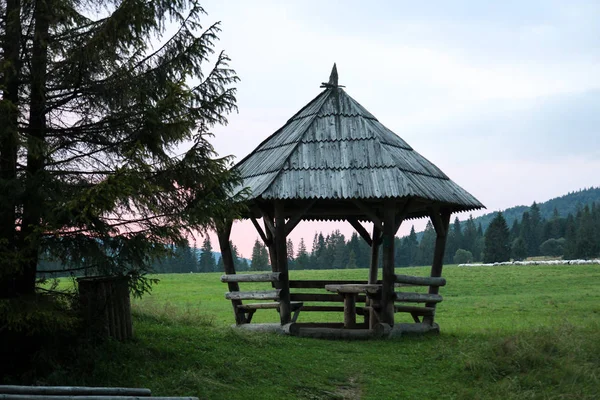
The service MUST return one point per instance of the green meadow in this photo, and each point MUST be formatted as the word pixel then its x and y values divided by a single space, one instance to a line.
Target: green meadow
pixel 509 332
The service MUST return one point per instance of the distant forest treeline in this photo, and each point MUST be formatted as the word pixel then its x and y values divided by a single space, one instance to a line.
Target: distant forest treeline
pixel 565 205
pixel 574 236
pixel 533 232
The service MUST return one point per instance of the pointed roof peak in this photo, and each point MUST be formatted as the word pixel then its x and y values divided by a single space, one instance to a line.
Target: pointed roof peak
pixel 333 79
pixel 334 149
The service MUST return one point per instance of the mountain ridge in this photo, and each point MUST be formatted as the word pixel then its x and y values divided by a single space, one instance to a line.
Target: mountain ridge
pixel 565 205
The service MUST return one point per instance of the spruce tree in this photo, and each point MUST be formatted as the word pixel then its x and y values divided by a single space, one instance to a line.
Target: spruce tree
pixel 412 247
pixel 207 261
pixel 515 230
pixel 519 249
pixel 244 265
pixel 585 242
pixel 427 245
pixel 260 257
pixel 338 251
pixel 290 250
pixel 400 252
pixel 454 241
pixel 237 262
pixel 318 255
pixel 497 245
pixel 570 251
pixel 527 233
pixel 361 250
pixel 302 258
pixel 220 267
pixel 290 255
pixel 470 236
pixel 351 261
pixel 536 229
pixel 92 111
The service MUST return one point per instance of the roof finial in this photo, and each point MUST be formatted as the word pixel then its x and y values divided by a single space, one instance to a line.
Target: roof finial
pixel 333 79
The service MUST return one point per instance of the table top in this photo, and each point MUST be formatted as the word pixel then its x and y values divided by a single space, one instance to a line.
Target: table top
pixel 354 288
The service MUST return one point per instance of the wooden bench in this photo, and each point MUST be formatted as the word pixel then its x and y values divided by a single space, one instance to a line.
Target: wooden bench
pixel 13 392
pixel 250 309
pixel 245 312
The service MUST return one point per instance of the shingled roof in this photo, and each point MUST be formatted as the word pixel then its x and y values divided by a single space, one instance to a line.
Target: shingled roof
pixel 334 148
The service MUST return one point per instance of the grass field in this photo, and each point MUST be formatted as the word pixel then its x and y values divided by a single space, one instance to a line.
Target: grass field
pixel 506 333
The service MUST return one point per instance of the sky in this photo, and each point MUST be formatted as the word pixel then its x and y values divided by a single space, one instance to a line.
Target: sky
pixel 503 96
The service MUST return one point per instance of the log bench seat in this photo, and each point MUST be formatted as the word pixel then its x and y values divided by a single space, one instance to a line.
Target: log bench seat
pixel 251 308
pixel 256 295
pixel 407 297
pixel 275 304
pixel 415 311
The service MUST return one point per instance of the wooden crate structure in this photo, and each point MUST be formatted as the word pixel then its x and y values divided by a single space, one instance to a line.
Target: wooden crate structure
pixel 106 306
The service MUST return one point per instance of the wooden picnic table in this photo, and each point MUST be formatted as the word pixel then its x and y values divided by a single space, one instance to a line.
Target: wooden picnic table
pixel 350 292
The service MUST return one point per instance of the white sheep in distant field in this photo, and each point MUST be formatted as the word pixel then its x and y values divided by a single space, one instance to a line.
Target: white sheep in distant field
pixel 541 262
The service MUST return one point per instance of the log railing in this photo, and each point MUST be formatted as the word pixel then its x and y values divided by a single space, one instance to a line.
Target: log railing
pixel 269 277
pixel 11 392
pixel 429 300
pixel 420 280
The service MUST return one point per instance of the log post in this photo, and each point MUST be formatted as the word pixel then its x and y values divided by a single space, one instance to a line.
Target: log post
pixel 349 310
pixel 371 318
pixel 374 255
pixel 270 243
pixel 441 222
pixel 386 311
pixel 285 311
pixel 223 233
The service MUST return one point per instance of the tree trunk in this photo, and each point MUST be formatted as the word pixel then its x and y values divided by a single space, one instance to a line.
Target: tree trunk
pixel 9 114
pixel 36 149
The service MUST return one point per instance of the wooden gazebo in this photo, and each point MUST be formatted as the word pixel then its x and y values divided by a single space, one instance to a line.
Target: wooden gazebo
pixel 334 161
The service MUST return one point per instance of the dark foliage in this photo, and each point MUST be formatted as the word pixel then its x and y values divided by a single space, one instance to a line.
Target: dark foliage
pixel 497 244
pixel 93 112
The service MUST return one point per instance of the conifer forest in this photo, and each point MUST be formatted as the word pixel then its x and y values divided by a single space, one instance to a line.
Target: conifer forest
pixel 574 236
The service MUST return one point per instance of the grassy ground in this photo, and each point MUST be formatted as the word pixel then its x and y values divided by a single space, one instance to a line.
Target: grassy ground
pixel 506 333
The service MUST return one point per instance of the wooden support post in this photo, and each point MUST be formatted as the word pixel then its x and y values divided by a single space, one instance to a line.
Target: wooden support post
pixel 374 255
pixel 386 311
pixel 285 311
pixel 270 242
pixel 294 220
pixel 441 222
pixel 260 231
pixel 360 230
pixel 223 233
pixel 349 310
pixel 369 213
pixel 371 318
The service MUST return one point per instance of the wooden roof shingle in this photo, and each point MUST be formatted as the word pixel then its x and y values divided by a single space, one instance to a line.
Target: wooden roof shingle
pixel 335 149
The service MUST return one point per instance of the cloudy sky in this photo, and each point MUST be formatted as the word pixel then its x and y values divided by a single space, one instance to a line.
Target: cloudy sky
pixel 503 96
